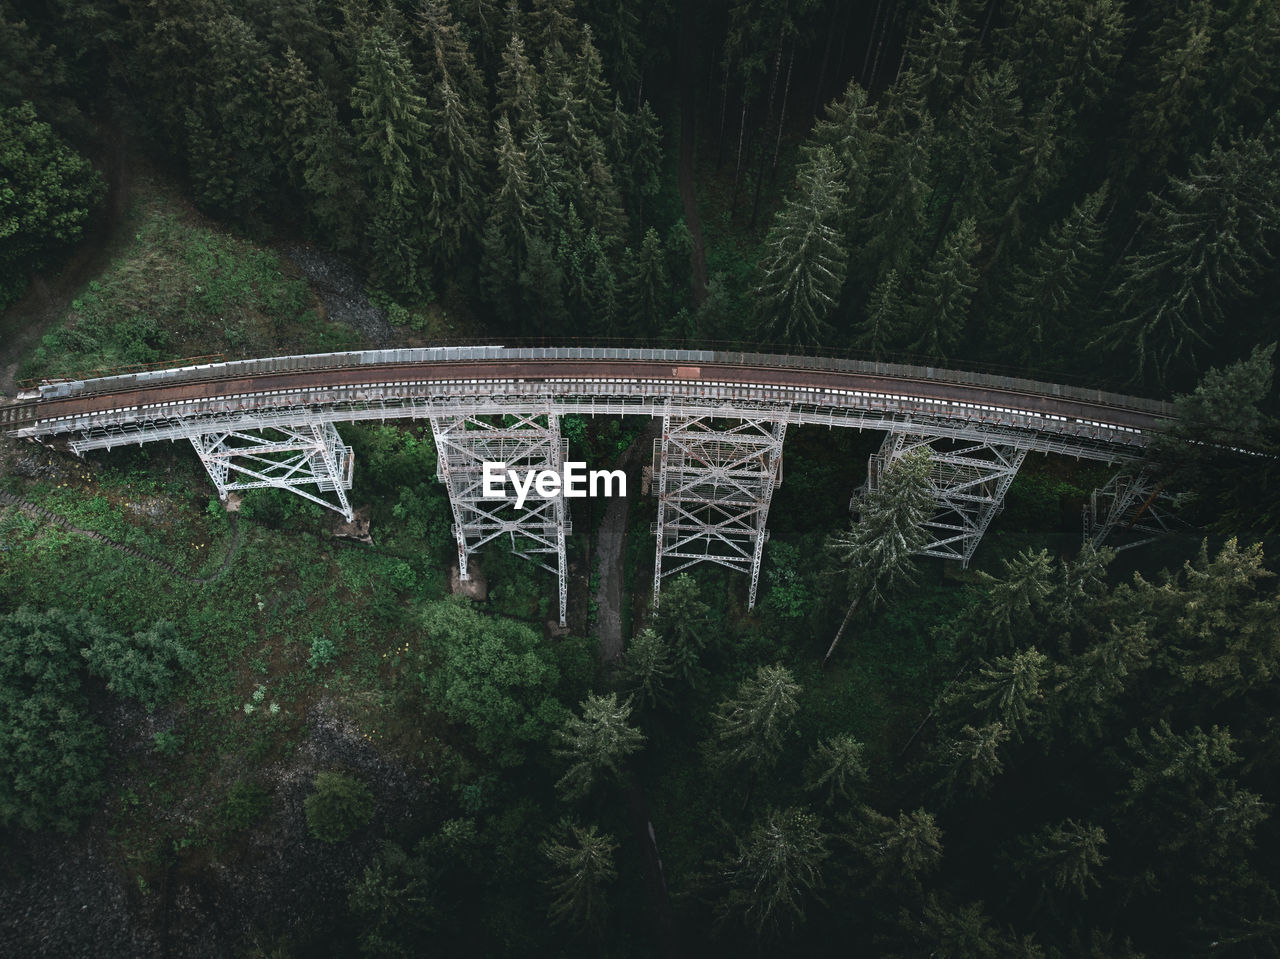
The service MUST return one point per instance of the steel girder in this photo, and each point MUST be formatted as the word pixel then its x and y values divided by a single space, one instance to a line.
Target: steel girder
pixel 525 441
pixel 283 457
pixel 968 480
pixel 1133 507
pixel 714 484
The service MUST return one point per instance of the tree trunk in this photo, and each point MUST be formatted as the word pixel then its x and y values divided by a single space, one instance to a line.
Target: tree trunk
pixel 737 173
pixel 768 115
pixel 840 632
pixel 688 198
pixel 871 37
pixel 782 118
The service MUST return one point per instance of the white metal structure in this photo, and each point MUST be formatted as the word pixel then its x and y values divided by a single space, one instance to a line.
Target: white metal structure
pixel 526 442
pixel 284 457
pixel 714 481
pixel 271 422
pixel 1132 509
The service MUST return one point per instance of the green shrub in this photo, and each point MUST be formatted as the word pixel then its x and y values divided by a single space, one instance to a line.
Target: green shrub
pixel 340 805
pixel 323 652
pixel 244 805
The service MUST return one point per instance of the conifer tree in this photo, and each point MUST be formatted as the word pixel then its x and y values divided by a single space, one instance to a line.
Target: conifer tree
pixel 937 57
pixel 1048 299
pixel 1006 690
pixel 582 864
pixel 970 761
pixel 596 743
pixel 940 302
pixel 393 135
pixel 837 765
pixel 1063 857
pixel 804 267
pixel 1206 238
pixel 646 666
pixel 319 151
pixel 774 870
pixel 518 89
pixel 877 550
pixel 898 851
pixel 885 326
pixel 894 225
pixel 750 725
pixel 849 129
pixel 648 290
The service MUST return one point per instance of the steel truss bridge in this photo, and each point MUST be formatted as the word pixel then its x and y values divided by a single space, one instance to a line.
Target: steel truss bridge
pixel 271 423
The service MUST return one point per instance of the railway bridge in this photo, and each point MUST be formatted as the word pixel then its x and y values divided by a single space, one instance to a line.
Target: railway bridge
pixel 271 423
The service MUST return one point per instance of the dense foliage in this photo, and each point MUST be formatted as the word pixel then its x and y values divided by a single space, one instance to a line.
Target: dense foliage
pixel 1059 753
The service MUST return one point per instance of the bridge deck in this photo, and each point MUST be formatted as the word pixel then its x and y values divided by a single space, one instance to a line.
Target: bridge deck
pixel 368 385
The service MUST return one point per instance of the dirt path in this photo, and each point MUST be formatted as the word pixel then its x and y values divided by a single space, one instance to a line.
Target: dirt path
pixel 610 552
pixel 24 322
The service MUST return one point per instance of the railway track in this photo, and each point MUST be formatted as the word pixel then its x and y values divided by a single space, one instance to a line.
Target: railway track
pixel 400 382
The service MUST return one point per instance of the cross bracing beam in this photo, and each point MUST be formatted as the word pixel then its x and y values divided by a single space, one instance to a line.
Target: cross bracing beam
pixel 968 480
pixel 521 442
pixel 280 457
pixel 714 480
pixel 1132 509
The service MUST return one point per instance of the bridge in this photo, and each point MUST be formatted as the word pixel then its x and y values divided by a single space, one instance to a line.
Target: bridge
pixel 270 423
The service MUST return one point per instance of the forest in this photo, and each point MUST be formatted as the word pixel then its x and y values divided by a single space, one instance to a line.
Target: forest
pixel 234 733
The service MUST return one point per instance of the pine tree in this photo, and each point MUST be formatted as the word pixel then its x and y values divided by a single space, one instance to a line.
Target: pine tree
pixel 519 88
pixel 648 290
pixel 837 764
pixel 849 129
pixel 970 761
pixel 877 550
pixel 547 173
pixel 1063 858
pixel 1015 603
pixel 682 622
pixel 646 667
pixel 1006 690
pixel 542 291
pixel 750 726
pixel 940 303
pixel 774 870
pixel 393 135
pixel 319 152
pixel 589 81
pixel 804 266
pixel 1069 48
pixel 897 201
pixel 596 743
pixel 1206 238
pixel 1048 297
pixel 975 151
pixel 885 327
pixel 936 58
pixel 582 864
pixel 898 851
pixel 1172 98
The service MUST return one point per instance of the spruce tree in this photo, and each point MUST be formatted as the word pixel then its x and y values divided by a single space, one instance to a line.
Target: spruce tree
pixel 648 290
pixel 774 870
pixel 885 327
pixel 838 767
pixel 518 89
pixel 582 867
pixel 596 743
pixel 804 265
pixel 877 550
pixel 1063 858
pixel 1048 299
pixel 750 725
pixel 940 303
pixel 1205 239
